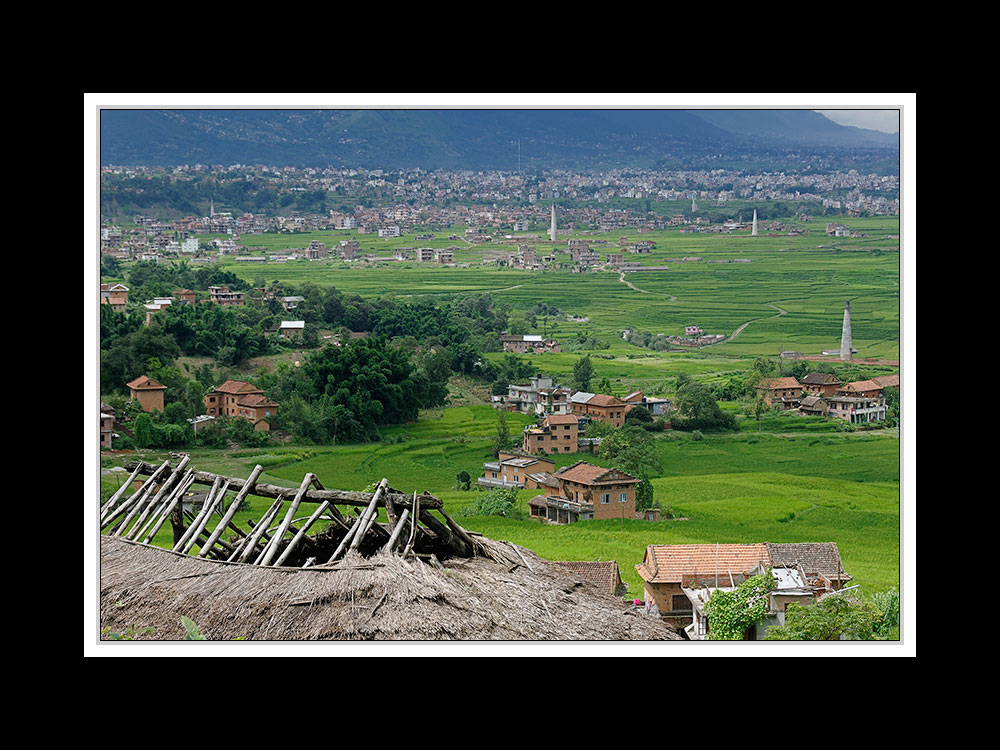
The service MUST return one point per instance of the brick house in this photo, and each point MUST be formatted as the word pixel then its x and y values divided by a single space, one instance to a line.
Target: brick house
pixel 237 398
pixel 115 295
pixel 107 425
pixel 783 392
pixel 147 392
pixel 292 329
pixel 514 471
pixel 558 433
pixel 583 491
pixel 601 407
pixel 221 295
pixel 820 384
pixel 858 402
pixel 670 571
pixel 522 343
pixel 814 406
pixel 186 296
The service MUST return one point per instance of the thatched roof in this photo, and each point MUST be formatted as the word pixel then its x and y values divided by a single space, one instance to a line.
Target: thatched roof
pixel 508 594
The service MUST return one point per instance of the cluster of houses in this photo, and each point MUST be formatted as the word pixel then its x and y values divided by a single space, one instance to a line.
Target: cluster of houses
pixel 521 343
pixel 574 493
pixel 542 397
pixel 234 398
pixel 823 394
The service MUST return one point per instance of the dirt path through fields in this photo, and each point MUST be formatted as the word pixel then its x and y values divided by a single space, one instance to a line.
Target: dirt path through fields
pixel 739 330
pixel 630 285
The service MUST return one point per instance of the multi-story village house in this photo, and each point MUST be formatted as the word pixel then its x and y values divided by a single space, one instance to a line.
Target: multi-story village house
pixel 782 392
pixel 221 295
pixel 522 343
pixel 557 433
pixel 107 425
pixel 514 471
pixel 237 398
pixel 115 295
pixel 858 402
pixel 599 406
pixel 583 492
pixel 820 384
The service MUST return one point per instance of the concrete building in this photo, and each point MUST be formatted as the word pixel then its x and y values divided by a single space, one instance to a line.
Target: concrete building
pixel 512 471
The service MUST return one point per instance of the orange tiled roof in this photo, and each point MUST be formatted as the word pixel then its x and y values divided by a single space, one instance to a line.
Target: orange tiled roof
pixel 888 381
pixel 771 384
pixel 238 386
pixel 601 399
pixel 676 563
pixel 585 473
pixel 861 385
pixel 145 383
pixel 255 399
pixel 561 419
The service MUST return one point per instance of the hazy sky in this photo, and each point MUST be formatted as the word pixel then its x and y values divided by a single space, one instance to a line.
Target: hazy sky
pixel 886 120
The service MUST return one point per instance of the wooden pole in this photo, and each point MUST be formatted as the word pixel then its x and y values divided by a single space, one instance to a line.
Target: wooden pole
pixel 272 547
pixel 153 475
pixel 396 532
pixel 136 496
pixel 251 541
pixel 190 529
pixel 302 532
pixel 413 524
pixel 174 498
pixel 165 490
pixel 349 537
pixel 206 515
pixel 119 492
pixel 233 507
pixel 371 513
pixel 336 497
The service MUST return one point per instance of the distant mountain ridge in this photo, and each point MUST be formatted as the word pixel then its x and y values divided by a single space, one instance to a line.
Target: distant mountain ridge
pixel 466 138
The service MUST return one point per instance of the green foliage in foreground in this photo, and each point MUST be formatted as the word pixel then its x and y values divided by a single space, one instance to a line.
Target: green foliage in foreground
pixel 841 617
pixel 730 613
pixel 495 502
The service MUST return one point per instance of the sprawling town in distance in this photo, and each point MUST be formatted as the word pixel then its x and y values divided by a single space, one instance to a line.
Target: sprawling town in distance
pixel 497 385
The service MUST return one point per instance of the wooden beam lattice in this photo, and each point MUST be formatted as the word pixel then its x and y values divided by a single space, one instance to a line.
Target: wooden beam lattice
pixel 411 530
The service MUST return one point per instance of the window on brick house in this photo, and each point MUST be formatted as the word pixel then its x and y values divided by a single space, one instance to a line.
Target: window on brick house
pixel 605 498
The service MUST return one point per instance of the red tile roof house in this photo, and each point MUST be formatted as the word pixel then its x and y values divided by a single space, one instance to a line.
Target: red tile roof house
pixel 782 392
pixel 237 398
pixel 147 392
pixel 820 384
pixel 668 569
pixel 858 402
pixel 601 407
pixel 584 492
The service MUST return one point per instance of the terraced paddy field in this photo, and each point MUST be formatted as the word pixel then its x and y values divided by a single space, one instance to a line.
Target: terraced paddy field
pixel 789 296
pixel 731 488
